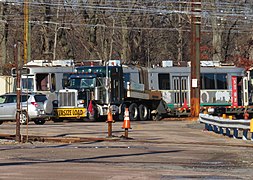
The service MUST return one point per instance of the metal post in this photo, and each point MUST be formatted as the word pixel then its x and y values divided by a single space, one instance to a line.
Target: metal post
pixel 228 132
pixel 195 60
pixel 109 129
pixel 221 131
pixel 235 133
pixel 109 121
pixel 245 134
pixel 18 91
pixel 126 133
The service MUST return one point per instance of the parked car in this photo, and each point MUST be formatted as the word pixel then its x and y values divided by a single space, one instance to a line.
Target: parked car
pixel 34 107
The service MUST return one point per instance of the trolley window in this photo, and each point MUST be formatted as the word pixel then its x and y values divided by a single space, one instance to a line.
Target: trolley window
pixel 221 81
pixel 42 81
pixel 213 81
pixel 164 81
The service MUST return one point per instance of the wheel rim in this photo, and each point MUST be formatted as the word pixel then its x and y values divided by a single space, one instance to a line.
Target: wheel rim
pixel 23 118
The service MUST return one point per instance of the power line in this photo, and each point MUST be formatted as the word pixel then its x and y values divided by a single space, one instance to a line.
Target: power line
pixel 224 11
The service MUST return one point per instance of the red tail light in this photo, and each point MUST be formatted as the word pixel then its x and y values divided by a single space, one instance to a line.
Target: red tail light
pixel 35 104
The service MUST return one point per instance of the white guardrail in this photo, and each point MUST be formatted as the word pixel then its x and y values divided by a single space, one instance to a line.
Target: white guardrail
pixel 239 128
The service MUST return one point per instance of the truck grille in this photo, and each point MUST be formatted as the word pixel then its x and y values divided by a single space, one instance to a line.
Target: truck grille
pixel 67 98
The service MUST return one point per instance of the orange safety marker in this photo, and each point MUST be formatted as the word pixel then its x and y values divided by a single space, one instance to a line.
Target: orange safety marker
pixel 109 116
pixel 185 103
pixel 109 121
pixel 246 115
pixel 126 123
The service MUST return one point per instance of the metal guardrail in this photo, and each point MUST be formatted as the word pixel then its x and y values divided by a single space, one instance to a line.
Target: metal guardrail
pixel 233 128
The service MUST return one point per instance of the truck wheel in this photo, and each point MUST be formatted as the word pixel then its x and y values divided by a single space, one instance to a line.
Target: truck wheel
pixel 39 121
pixel 143 111
pixel 133 112
pixel 57 120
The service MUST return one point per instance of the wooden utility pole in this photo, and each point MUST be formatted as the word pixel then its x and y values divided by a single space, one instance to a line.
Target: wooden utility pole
pixel 26 30
pixel 195 60
pixel 18 91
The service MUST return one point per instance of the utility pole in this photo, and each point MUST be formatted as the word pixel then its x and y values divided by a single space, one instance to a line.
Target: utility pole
pixel 18 91
pixel 195 59
pixel 26 30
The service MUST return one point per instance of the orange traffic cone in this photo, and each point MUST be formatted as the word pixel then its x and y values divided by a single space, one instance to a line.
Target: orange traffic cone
pixel 126 123
pixel 109 121
pixel 109 116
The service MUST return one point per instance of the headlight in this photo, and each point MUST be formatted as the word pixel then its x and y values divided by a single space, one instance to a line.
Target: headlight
pixel 81 101
pixel 210 110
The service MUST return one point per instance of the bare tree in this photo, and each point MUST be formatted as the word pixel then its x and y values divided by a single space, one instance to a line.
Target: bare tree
pixel 142 31
pixel 3 34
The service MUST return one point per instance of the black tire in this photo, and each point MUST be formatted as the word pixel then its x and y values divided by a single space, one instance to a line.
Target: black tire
pixel 39 121
pixel 143 112
pixel 56 120
pixel 23 118
pixel 133 112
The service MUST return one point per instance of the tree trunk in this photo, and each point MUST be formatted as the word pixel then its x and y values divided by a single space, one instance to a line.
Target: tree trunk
pixel 2 38
pixel 217 33
pixel 180 38
pixel 124 31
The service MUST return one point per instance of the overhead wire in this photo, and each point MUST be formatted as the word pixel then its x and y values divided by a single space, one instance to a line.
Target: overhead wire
pixel 236 11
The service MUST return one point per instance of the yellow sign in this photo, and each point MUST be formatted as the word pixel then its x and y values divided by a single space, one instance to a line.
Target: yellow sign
pixel 71 112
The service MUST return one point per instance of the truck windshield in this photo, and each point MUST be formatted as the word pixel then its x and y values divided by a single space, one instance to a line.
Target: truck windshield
pixel 79 83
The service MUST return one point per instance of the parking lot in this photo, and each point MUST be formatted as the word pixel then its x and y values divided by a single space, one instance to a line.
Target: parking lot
pixel 155 150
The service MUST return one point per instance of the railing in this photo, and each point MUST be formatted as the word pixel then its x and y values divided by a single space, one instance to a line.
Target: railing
pixel 233 128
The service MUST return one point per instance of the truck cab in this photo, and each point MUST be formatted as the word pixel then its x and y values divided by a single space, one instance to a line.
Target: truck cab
pixel 93 88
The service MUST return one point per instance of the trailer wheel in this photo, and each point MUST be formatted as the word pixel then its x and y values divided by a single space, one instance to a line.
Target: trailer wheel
pixel 133 112
pixel 39 121
pixel 143 112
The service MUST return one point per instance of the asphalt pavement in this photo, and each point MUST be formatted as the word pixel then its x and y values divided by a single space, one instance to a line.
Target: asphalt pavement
pixel 168 149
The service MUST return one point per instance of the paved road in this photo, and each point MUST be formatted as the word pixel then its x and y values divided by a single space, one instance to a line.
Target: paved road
pixel 157 150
